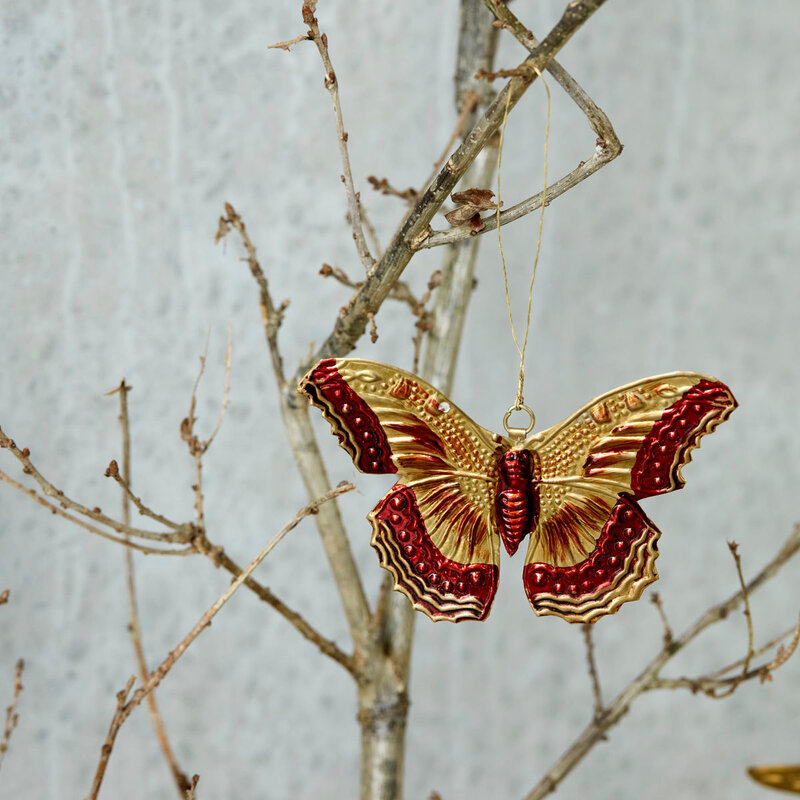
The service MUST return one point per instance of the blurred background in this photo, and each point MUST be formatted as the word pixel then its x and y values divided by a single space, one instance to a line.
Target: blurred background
pixel 125 126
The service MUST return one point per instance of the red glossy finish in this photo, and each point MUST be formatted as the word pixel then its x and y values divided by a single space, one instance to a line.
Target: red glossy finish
pixel 355 424
pixel 666 447
pixel 419 565
pixel 516 505
pixel 624 527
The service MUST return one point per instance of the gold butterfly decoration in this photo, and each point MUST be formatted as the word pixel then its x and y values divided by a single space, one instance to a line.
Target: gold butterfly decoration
pixel 463 489
pixel 785 778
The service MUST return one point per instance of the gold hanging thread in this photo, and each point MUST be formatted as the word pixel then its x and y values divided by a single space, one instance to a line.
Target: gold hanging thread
pixel 519 401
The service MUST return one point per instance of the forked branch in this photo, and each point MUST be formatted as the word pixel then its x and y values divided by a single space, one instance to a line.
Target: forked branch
pixel 126 703
pixel 607 145
pixel 351 323
pixel 649 678
pixel 180 778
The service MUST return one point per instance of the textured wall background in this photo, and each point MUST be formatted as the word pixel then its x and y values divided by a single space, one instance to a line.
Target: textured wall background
pixel 126 126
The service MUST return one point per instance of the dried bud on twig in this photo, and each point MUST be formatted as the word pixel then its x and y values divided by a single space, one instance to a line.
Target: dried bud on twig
pixel 383 186
pixel 470 203
pixel 309 7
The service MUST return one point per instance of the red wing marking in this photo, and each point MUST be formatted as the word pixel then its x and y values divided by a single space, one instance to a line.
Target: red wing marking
pixel 442 588
pixel 355 424
pixel 617 570
pixel 666 447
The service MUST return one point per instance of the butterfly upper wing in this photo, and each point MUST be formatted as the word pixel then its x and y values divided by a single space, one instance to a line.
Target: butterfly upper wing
pixel 434 530
pixel 594 547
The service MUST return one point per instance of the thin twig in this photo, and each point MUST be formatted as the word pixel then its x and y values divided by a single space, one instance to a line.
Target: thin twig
pixel 383 186
pixel 794 632
pixel 125 706
pixel 425 319
pixel 108 744
pixel 649 679
pixel 785 653
pixel 734 548
pixel 65 502
pixel 411 195
pixel 655 599
pixel 287 45
pixel 193 787
pixel 197 446
pixel 326 646
pixel 370 229
pixel 596 691
pixel 54 509
pixel 12 718
pixel 351 323
pixel 181 780
pixel 225 392
pixel 468 105
pixel 607 146
pixel 306 451
pixel 271 315
pixel 713 683
pixel 332 85
pixel 112 471
pixel 400 291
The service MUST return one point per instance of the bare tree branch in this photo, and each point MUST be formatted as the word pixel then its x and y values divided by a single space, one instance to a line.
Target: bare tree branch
pixel 383 692
pixel 655 599
pixel 350 324
pixel 197 446
pixel 332 85
pixel 12 718
pixel 326 646
pixel 193 787
pixel 734 683
pixel 650 679
pixel 126 705
pixel 297 423
pixel 181 780
pixel 180 535
pixel 287 45
pixel 54 509
pixel 271 315
pixel 607 147
pixel 596 691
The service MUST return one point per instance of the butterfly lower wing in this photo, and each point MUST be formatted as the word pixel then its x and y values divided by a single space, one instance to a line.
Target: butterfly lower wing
pixel 594 547
pixel 440 587
pixel 434 530
pixel 617 570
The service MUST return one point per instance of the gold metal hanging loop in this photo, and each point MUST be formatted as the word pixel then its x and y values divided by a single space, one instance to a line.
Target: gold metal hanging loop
pixel 517 434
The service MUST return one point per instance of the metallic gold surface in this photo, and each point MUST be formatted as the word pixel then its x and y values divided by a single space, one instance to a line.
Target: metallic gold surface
pixel 786 777
pixel 442 542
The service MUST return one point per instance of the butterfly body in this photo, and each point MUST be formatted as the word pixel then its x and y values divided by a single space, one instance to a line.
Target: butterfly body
pixel 516 504
pixel 462 490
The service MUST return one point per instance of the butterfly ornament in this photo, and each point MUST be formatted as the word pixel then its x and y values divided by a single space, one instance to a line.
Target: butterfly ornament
pixel 573 489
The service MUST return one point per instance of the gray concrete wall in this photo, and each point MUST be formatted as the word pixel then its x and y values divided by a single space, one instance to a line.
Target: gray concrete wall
pixel 125 128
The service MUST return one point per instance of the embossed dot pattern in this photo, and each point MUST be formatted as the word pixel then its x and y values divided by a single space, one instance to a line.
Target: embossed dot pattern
pixel 356 426
pixel 418 563
pixel 623 529
pixel 665 448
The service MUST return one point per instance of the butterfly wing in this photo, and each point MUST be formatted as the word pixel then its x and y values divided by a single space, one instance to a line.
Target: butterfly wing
pixel 594 547
pixel 434 530
pixel 785 777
